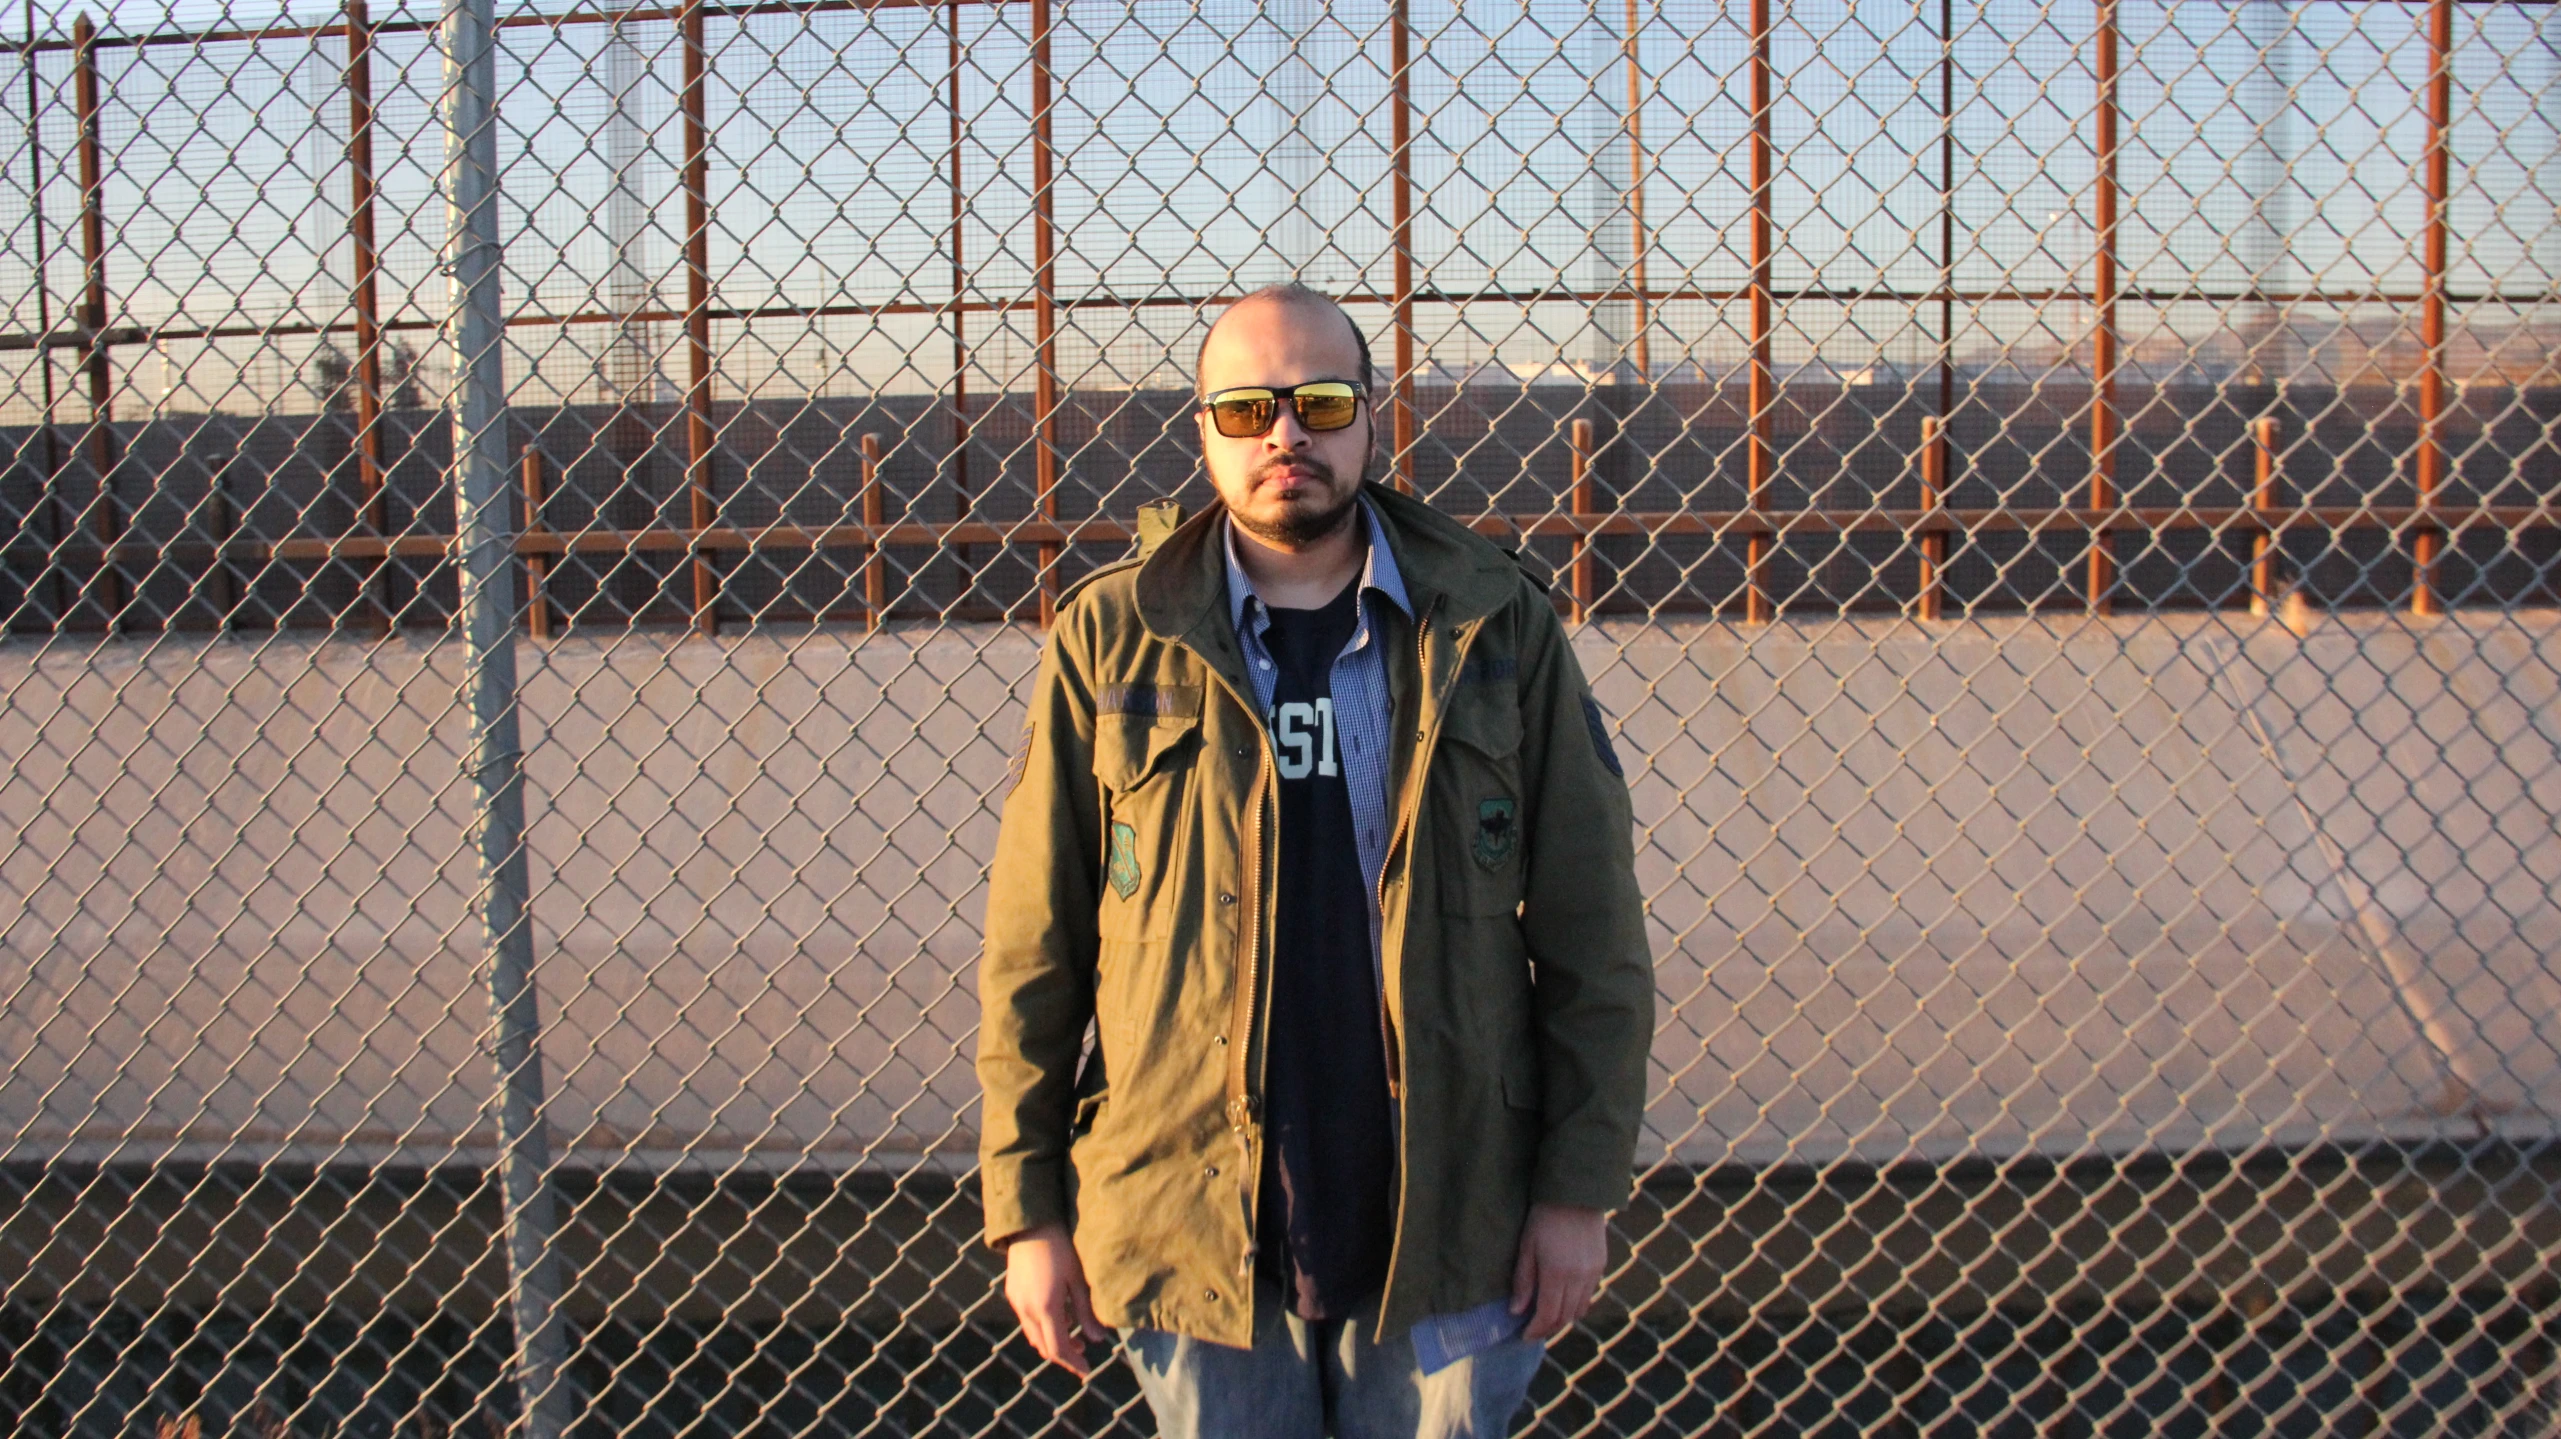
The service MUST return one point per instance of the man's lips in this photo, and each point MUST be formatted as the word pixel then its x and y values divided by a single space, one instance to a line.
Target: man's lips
pixel 1292 476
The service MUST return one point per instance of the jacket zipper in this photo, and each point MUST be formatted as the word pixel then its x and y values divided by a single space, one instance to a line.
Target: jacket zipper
pixel 1423 745
pixel 1247 1011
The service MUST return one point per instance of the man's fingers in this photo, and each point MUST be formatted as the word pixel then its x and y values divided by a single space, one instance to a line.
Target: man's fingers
pixel 1067 1337
pixel 1087 1322
pixel 1579 1295
pixel 1046 1287
pixel 1564 1297
pixel 1045 1326
pixel 1525 1277
pixel 1545 1303
pixel 1065 1346
pixel 1544 1324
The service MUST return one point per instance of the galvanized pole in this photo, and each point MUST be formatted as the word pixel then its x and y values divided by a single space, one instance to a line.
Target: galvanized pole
pixel 486 506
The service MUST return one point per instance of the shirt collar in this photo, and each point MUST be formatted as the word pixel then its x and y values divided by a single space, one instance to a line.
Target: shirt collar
pixel 1378 572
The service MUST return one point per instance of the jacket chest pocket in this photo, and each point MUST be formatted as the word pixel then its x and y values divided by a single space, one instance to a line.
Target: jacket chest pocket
pixel 1478 814
pixel 1145 767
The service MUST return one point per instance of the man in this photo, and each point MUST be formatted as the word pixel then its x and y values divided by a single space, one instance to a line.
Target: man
pixel 1318 824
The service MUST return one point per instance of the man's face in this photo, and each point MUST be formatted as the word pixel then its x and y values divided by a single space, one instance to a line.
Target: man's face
pixel 1288 486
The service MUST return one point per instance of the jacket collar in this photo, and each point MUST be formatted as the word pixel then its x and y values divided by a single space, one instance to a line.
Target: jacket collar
pixel 1182 585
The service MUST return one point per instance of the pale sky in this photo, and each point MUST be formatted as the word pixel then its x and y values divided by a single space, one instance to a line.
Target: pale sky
pixel 2266 141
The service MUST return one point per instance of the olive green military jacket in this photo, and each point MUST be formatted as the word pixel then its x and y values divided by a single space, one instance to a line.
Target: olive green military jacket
pixel 1131 889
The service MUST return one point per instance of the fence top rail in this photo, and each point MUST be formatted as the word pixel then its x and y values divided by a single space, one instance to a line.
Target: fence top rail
pixel 2239 519
pixel 636 14
pixel 74 337
pixel 669 13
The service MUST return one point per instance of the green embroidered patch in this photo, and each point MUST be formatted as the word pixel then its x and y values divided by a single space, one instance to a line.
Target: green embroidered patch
pixel 1122 866
pixel 1498 832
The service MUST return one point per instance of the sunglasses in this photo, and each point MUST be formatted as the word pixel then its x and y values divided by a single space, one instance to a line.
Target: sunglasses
pixel 1249 410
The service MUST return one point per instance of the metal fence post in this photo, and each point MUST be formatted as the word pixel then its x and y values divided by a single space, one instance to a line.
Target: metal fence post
pixel 106 515
pixel 1760 460
pixel 1579 503
pixel 1401 166
pixel 700 438
pixel 2106 431
pixel 1045 400
pixel 372 512
pixel 486 510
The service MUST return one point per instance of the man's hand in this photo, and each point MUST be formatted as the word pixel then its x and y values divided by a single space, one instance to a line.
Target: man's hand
pixel 1562 1250
pixel 1045 1282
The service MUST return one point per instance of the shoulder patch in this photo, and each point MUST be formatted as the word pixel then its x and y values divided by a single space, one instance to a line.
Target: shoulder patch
pixel 1598 724
pixel 1020 764
pixel 1150 700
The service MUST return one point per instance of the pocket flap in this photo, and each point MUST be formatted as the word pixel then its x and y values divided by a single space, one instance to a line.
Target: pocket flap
pixel 1487 720
pixel 1129 747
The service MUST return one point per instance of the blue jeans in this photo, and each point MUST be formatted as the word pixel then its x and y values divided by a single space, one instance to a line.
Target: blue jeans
pixel 1306 1378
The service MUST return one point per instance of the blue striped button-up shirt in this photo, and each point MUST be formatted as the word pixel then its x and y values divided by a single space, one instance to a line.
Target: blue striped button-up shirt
pixel 1363 712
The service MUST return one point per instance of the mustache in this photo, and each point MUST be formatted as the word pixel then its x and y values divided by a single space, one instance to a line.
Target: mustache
pixel 1323 472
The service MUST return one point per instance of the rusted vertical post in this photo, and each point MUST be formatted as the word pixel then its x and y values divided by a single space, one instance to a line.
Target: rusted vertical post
pixel 1400 64
pixel 360 236
pixel 1760 460
pixel 106 517
pixel 2103 417
pixel 1947 238
pixel 226 527
pixel 1579 503
pixel 1931 601
pixel 1933 495
pixel 698 435
pixel 1045 308
pixel 1643 348
pixel 1934 428
pixel 959 321
pixel 2263 502
pixel 2426 540
pixel 58 530
pixel 875 518
pixel 537 563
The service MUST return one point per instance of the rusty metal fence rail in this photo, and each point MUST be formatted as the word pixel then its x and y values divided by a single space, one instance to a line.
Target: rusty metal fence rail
pixel 525 529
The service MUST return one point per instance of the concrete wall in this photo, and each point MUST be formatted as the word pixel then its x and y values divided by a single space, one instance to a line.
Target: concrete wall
pixel 2054 886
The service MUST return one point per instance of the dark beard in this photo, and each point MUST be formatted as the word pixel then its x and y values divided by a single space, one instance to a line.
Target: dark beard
pixel 1300 527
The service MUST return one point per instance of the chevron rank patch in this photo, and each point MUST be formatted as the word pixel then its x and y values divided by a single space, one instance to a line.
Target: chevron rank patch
pixel 1599 726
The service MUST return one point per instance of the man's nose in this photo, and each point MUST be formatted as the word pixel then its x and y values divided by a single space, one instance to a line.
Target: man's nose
pixel 1286 432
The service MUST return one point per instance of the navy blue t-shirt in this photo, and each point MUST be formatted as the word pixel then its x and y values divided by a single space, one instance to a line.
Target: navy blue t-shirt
pixel 1328 1207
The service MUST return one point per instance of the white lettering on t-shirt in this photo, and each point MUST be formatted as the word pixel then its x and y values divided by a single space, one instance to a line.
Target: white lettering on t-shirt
pixel 1303 736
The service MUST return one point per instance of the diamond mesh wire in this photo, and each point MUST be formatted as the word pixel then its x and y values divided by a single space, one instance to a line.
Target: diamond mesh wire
pixel 2059 501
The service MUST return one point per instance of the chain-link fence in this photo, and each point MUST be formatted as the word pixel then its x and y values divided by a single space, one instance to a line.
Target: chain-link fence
pixel 2059 501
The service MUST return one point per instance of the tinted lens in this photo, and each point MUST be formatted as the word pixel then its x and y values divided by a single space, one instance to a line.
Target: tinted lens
pixel 1238 417
pixel 1327 406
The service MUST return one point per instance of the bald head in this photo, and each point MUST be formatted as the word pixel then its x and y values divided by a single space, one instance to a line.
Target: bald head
pixel 1289 487
pixel 1298 307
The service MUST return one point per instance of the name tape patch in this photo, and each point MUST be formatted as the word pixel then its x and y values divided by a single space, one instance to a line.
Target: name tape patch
pixel 1151 701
